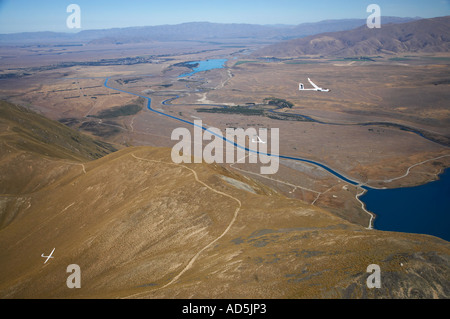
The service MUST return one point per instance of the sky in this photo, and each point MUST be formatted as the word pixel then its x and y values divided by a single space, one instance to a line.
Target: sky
pixel 51 15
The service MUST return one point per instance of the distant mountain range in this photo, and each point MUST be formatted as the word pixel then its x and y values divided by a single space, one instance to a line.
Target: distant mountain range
pixel 425 35
pixel 192 31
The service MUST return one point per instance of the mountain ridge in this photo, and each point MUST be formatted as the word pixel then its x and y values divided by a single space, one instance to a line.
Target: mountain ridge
pixel 189 31
pixel 425 35
pixel 34 149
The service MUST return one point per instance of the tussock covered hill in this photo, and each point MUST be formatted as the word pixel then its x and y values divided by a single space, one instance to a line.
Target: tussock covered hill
pixel 34 147
pixel 426 35
pixel 140 226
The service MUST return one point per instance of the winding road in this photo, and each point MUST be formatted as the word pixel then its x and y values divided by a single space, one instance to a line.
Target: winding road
pixel 194 258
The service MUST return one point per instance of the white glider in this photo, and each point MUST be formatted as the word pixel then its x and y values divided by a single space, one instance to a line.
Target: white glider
pixel 49 256
pixel 301 87
pixel 258 141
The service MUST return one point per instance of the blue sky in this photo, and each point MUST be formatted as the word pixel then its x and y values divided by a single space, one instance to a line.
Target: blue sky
pixel 51 15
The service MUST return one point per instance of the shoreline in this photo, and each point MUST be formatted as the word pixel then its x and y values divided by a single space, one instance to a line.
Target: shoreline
pixel 416 209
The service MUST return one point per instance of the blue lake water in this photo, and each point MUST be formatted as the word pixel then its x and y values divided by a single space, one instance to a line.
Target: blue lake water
pixel 205 66
pixel 422 209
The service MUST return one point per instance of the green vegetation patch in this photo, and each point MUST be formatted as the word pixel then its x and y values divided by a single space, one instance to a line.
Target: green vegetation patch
pixel 253 110
pixel 399 59
pixel 280 103
pixel 439 58
pixel 303 62
pixel 361 58
pixel 189 65
pixel 288 117
pixel 117 111
pixel 243 110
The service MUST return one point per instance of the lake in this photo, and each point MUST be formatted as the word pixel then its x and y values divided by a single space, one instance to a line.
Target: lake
pixel 205 66
pixel 422 209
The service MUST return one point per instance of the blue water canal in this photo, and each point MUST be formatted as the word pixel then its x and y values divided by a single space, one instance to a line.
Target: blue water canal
pixel 422 209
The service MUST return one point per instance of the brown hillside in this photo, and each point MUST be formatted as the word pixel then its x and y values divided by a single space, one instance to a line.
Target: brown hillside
pixel 140 226
pixel 33 148
pixel 427 35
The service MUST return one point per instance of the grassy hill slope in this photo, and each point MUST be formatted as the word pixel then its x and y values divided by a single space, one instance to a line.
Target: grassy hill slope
pixel 140 226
